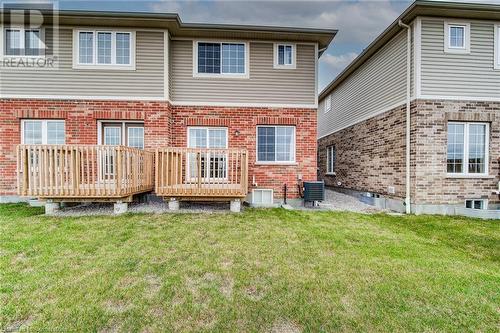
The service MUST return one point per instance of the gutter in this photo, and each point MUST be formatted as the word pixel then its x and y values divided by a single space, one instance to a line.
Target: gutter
pixel 408 115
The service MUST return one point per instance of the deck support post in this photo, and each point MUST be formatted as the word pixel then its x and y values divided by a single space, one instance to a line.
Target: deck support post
pixel 51 207
pixel 173 204
pixel 235 206
pixel 120 207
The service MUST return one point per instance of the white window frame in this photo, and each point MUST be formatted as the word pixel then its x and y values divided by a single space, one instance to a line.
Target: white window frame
pixel 293 65
pixel 328 104
pixel 22 30
pixel 245 75
pixel 330 170
pixel 44 128
pixel 496 64
pixel 123 124
pixel 465 169
pixel 206 128
pixel 95 65
pixel 447 45
pixel 484 201
pixel 262 190
pixel 294 141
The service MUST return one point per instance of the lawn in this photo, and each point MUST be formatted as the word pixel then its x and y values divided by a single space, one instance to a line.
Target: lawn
pixel 258 271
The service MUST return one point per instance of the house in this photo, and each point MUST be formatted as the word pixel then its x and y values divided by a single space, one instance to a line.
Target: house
pixel 100 106
pixel 414 120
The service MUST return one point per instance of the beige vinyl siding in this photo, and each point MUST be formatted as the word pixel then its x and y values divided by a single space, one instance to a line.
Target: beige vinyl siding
pixel 265 85
pixel 145 81
pixel 459 75
pixel 379 84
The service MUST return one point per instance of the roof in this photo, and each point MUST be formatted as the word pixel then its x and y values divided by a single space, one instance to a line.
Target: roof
pixel 177 28
pixel 417 8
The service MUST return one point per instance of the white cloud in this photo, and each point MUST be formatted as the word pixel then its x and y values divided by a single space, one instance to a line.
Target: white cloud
pixel 337 63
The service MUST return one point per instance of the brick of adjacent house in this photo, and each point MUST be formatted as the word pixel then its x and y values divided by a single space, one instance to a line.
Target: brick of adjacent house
pixel 371 154
pixel 165 125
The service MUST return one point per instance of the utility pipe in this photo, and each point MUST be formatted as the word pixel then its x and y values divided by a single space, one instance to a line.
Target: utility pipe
pixel 408 114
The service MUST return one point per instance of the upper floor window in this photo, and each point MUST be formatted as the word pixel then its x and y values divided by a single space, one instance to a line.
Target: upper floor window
pixel 215 59
pixel 275 144
pixel 95 49
pixel 284 56
pixel 328 104
pixel 467 152
pixel 47 132
pixel 22 42
pixel 457 37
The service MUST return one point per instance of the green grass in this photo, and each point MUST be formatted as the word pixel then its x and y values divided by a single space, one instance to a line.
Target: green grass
pixel 261 270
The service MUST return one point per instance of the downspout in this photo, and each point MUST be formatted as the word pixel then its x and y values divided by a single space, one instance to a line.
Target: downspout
pixel 408 113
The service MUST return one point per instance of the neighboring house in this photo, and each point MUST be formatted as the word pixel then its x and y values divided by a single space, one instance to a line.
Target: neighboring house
pixel 242 98
pixel 448 74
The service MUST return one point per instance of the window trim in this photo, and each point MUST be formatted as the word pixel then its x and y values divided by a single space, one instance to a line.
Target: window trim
pixel 123 124
pixel 327 106
pixel 44 129
pixel 330 169
pixel 293 65
pixel 447 45
pixel 262 190
pixel 207 128
pixel 496 43
pixel 95 65
pixel 22 29
pixel 465 172
pixel 245 75
pixel 292 162
pixel 484 201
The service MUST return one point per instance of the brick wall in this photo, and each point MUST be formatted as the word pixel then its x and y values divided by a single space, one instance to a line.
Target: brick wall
pixel 81 125
pixel 371 154
pixel 242 131
pixel 432 184
pixel 164 125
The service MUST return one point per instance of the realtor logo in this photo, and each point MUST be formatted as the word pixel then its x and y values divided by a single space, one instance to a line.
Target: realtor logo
pixel 30 34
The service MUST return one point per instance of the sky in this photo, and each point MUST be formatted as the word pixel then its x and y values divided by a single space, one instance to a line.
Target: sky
pixel 359 21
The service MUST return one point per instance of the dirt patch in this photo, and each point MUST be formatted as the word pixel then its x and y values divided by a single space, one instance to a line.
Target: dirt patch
pixel 157 312
pixel 18 325
pixel 153 285
pixel 226 287
pixel 285 326
pixel 112 327
pixel 116 306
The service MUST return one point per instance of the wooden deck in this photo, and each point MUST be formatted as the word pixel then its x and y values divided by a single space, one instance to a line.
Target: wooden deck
pixel 201 174
pixel 79 172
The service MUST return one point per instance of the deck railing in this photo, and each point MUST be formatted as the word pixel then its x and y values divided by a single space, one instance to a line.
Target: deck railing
pixel 201 173
pixel 81 171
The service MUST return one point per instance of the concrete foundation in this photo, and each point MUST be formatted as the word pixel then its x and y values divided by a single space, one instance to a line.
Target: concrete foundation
pixel 120 208
pixel 173 204
pixel 235 206
pixel 51 208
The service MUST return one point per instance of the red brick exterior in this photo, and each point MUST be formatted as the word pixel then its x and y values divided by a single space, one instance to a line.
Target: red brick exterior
pixel 165 125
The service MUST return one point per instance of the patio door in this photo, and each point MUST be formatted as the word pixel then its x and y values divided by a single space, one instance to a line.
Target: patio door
pixel 210 165
pixel 114 134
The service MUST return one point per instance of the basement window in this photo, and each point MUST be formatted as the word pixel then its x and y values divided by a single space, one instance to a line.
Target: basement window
pixel 476 203
pixel 262 197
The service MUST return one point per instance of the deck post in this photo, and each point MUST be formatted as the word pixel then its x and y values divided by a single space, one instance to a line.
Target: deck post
pixel 235 206
pixel 51 207
pixel 173 204
pixel 120 207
